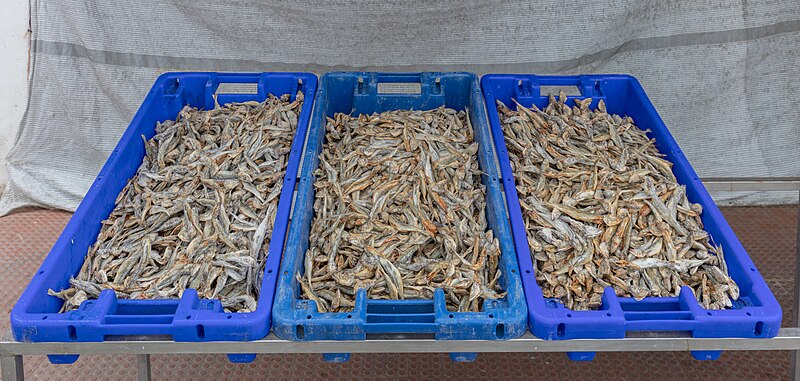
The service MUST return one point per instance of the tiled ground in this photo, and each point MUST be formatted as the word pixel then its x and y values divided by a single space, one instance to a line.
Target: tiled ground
pixel 768 233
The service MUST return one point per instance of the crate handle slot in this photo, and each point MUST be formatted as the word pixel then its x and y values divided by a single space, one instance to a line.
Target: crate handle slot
pixel 237 88
pixel 400 316
pixel 399 88
pixel 230 87
pixel 126 307
pixel 665 314
pixel 570 90
pixel 162 312
pixel 578 86
pixel 406 84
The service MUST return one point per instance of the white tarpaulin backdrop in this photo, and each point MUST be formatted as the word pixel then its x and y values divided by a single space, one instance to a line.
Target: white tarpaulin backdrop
pixel 724 75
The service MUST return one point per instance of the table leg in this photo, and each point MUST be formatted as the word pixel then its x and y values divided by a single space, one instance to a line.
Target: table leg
pixel 143 364
pixel 12 368
pixel 796 301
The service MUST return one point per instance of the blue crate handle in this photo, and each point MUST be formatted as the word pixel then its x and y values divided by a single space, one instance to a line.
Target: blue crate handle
pixel 238 78
pixel 402 316
pixel 587 86
pixel 368 99
pixel 401 77
pixel 429 82
pixel 260 79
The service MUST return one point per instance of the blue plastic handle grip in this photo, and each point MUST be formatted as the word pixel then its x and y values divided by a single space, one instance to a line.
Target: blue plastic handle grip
pixel 557 81
pixel 238 78
pixel 588 87
pixel 399 78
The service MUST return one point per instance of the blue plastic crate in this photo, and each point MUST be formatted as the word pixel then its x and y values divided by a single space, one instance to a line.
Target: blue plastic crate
pixel 297 319
pixel 755 315
pixel 35 317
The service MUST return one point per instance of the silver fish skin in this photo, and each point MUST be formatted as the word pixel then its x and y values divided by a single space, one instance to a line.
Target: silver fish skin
pixel 602 208
pixel 199 211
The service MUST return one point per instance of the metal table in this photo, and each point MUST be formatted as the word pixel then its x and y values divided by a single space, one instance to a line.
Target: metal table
pixel 12 352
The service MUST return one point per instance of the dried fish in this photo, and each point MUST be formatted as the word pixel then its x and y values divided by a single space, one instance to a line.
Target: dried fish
pixel 602 208
pixel 198 211
pixel 400 212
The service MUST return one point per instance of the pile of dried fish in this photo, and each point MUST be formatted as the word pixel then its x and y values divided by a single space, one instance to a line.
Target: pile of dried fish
pixel 199 211
pixel 603 208
pixel 400 212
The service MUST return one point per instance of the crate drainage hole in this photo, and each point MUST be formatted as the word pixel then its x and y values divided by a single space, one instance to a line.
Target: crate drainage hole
pixel 301 332
pixel 73 335
pixel 561 328
pixel 349 316
pixel 229 316
pixel 759 328
pixel 500 331
pixel 201 331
